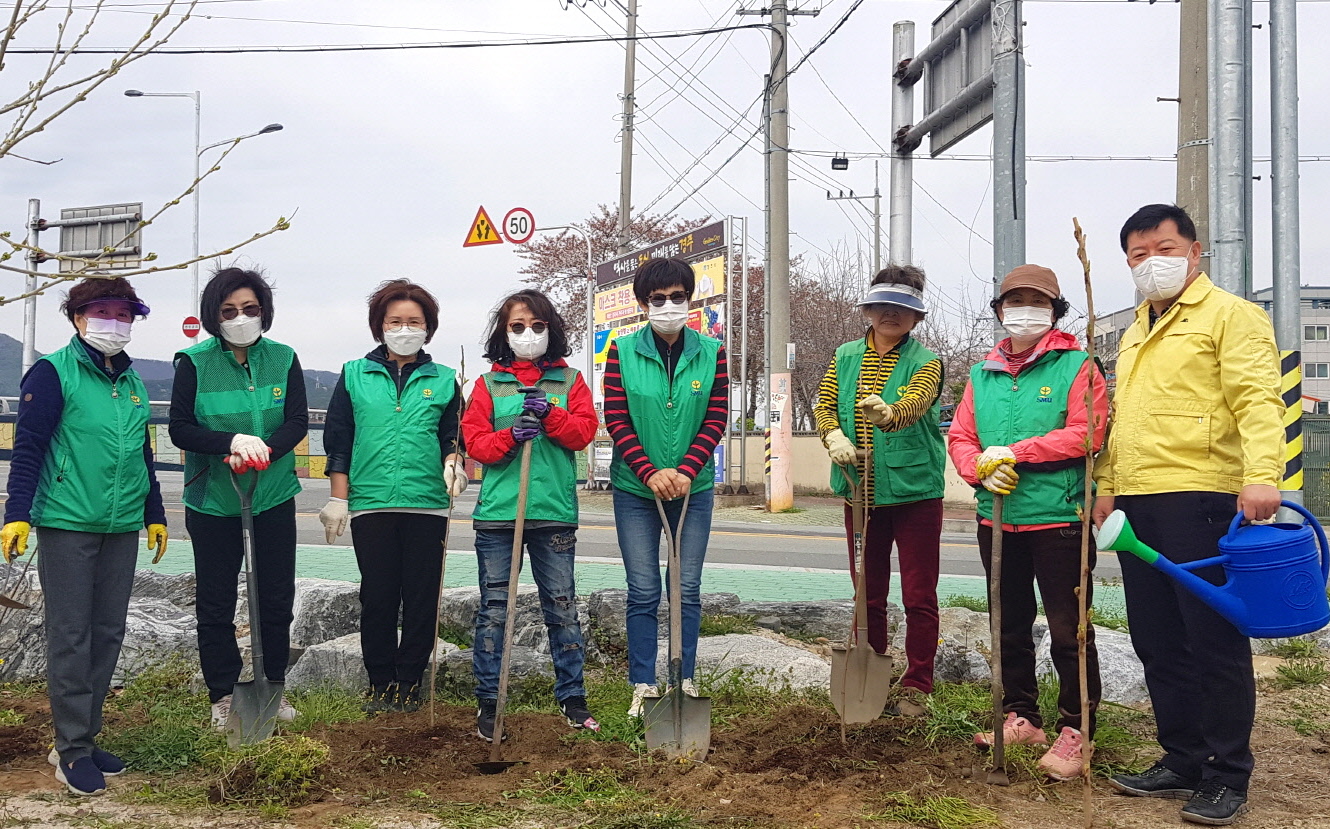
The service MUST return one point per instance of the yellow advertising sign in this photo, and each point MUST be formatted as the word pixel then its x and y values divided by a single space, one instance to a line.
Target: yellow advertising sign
pixel 616 304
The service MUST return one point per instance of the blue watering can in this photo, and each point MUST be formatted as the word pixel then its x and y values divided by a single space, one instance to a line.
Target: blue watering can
pixel 1276 573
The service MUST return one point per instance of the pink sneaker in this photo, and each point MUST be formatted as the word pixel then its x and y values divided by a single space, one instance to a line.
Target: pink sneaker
pixel 1016 731
pixel 1063 760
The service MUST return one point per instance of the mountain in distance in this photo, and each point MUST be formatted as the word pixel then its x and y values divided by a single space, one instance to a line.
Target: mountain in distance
pixel 157 376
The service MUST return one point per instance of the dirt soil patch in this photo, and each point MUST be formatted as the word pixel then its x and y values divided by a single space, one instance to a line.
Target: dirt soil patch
pixel 784 768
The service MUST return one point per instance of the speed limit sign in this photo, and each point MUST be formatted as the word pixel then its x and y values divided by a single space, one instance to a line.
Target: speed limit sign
pixel 519 225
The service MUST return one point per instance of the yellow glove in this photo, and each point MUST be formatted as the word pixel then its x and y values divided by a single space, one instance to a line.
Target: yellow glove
pixel 1002 480
pixel 878 411
pixel 14 539
pixel 157 538
pixel 991 459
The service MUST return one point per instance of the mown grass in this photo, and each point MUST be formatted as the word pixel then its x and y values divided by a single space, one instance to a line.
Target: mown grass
pixel 932 811
pixel 721 624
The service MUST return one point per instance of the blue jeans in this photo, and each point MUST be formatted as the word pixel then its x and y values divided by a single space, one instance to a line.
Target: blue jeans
pixel 639 528
pixel 551 550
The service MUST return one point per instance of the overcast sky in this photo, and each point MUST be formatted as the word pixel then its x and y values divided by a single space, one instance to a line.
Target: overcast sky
pixel 385 156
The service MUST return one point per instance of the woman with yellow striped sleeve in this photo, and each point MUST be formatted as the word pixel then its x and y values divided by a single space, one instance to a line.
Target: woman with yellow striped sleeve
pixel 904 482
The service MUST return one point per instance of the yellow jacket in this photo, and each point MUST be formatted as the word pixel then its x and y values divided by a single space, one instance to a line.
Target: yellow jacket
pixel 1197 405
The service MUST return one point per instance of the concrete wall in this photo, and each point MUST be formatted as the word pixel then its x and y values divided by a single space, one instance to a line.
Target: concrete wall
pixel 812 469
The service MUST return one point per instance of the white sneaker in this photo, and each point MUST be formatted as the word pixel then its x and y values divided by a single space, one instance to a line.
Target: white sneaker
pixel 688 687
pixel 641 691
pixel 286 712
pixel 221 712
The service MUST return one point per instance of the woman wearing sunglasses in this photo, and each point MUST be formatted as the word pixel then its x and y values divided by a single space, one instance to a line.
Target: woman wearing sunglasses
pixel 238 403
pixel 394 466
pixel 527 345
pixel 666 404
pixel 82 475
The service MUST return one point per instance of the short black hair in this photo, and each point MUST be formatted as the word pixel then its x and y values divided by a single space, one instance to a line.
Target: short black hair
pixel 402 289
pixel 221 285
pixel 907 275
pixel 659 274
pixel 497 349
pixel 1060 306
pixel 1152 216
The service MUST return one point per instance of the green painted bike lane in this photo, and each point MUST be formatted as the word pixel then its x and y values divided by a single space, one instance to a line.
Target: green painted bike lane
pixel 755 583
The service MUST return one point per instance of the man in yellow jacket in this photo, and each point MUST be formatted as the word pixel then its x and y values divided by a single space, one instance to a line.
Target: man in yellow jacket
pixel 1197 435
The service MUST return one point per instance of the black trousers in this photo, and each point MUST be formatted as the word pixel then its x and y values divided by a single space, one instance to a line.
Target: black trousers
pixel 218 553
pixel 401 558
pixel 1198 667
pixel 1053 558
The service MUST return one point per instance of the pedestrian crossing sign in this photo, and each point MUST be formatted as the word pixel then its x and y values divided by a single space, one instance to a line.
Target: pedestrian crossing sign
pixel 483 231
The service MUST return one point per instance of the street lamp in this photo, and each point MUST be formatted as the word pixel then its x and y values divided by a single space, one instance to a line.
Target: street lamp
pixel 198 151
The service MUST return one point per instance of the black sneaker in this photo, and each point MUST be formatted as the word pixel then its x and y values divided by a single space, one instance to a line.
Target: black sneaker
pixel 380 698
pixel 407 700
pixel 578 715
pixel 1157 781
pixel 486 711
pixel 82 777
pixel 1215 804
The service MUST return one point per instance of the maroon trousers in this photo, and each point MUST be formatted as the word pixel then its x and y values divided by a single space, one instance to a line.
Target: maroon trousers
pixel 915 529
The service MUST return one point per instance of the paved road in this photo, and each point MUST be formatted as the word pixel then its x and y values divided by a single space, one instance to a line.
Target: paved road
pixel 732 543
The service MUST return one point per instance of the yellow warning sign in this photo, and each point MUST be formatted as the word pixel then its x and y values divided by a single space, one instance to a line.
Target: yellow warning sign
pixel 483 231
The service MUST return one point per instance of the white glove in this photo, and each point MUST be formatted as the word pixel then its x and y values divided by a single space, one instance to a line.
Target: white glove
pixel 839 447
pixel 454 476
pixel 252 450
pixel 334 517
pixel 991 459
pixel 878 411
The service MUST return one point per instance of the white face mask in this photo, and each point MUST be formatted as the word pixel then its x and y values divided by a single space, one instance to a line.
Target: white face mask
pixel 242 331
pixel 529 346
pixel 1161 277
pixel 669 318
pixel 1027 320
pixel 107 336
pixel 404 341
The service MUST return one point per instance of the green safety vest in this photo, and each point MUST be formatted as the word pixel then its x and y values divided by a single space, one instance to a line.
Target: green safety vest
pixel 395 460
pixel 908 464
pixel 230 399
pixel 667 417
pixel 552 491
pixel 1031 404
pixel 93 478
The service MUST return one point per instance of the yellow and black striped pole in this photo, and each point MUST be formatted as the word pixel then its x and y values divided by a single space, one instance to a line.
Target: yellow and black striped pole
pixel 1290 390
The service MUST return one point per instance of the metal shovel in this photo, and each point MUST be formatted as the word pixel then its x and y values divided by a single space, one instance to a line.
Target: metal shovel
pixel 676 723
pixel 254 704
pixel 860 676
pixel 997 776
pixel 496 763
pixel 8 601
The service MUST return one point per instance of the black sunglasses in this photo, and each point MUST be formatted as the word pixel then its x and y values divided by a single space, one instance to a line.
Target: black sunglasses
pixel 518 328
pixel 678 298
pixel 248 310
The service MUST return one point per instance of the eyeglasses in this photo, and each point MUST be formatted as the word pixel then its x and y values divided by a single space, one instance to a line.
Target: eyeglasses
pixel 518 328
pixel 658 300
pixel 248 310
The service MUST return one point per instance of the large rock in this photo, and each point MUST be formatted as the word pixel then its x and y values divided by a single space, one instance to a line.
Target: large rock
pixel 829 618
pixel 458 606
pixel 755 659
pixel 156 631
pixel 959 663
pixel 324 610
pixel 338 663
pixel 963 628
pixel 178 589
pixel 531 679
pixel 1121 673
pixel 1320 638
pixel 534 635
pixel 22 632
pixel 609 611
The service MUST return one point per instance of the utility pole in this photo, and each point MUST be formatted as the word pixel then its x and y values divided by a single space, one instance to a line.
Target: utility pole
pixel 1008 144
pixel 626 136
pixel 1230 37
pixel 30 303
pixel 1287 252
pixel 1193 165
pixel 780 351
pixel 902 161
pixel 877 215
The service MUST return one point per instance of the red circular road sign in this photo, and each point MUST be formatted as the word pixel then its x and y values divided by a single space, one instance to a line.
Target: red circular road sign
pixel 191 326
pixel 519 225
